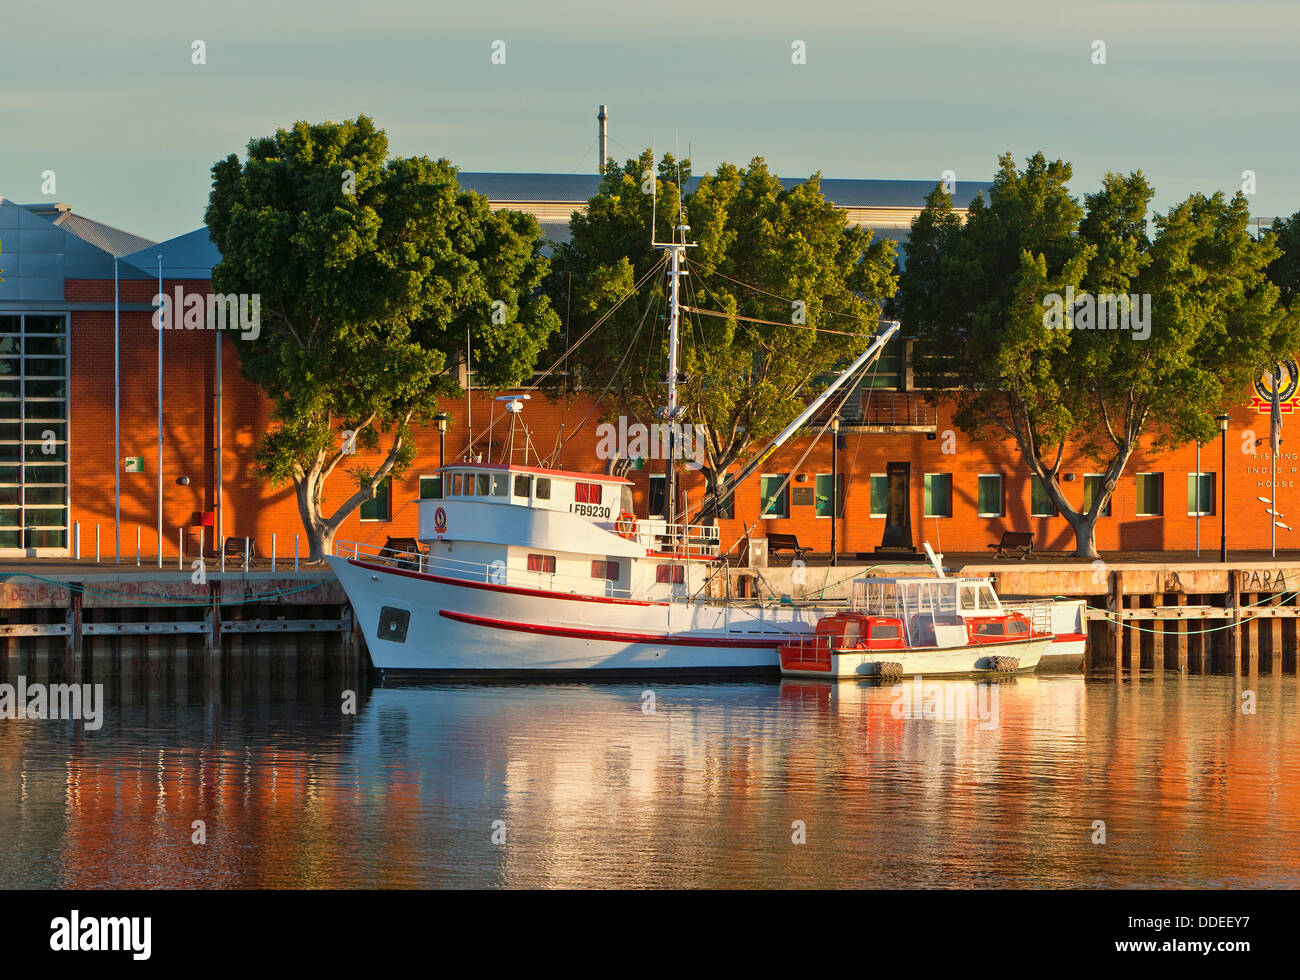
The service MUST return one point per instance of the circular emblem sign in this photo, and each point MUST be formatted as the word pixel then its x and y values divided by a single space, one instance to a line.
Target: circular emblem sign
pixel 440 520
pixel 1290 379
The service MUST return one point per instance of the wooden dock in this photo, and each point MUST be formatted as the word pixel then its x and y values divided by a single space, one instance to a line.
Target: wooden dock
pixel 71 622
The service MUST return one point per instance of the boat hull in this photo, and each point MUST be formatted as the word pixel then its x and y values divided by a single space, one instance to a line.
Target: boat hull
pixel 929 661
pixel 424 624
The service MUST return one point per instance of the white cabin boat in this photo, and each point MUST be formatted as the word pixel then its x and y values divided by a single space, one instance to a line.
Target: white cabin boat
pixel 913 626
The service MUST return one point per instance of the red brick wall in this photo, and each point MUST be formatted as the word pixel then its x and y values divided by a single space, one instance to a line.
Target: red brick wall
pixel 254 509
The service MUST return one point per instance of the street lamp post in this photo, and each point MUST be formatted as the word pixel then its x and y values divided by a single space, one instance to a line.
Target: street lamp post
pixel 443 419
pixel 1223 488
pixel 835 483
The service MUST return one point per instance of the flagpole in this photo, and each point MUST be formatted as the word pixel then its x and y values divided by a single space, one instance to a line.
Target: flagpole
pixel 117 414
pixel 160 429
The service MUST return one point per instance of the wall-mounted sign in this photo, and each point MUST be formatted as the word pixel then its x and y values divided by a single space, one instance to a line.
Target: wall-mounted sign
pixel 1287 395
pixel 133 464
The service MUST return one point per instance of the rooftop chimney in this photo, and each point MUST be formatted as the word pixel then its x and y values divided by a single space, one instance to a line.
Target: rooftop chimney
pixel 602 117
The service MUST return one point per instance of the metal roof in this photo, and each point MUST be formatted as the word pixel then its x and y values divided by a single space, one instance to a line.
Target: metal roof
pixel 844 192
pixel 188 256
pixel 112 240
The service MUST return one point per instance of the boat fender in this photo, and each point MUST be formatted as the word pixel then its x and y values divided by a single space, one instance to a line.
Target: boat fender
pixel 1004 665
pixel 889 670
pixel 625 526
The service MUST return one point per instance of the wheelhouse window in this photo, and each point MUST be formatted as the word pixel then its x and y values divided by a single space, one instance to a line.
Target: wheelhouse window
pixel 431 488
pixel 587 493
pixel 484 484
pixel 774 495
pixel 523 485
pixel 670 574
pixel 607 570
pixel 455 484
pixel 543 488
pixel 379 507
pixel 938 495
pixel 469 484
pixel 1150 494
pixel 500 484
pixel 541 563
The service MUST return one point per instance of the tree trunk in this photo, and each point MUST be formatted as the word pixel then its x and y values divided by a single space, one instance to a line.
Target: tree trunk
pixel 1085 533
pixel 320 533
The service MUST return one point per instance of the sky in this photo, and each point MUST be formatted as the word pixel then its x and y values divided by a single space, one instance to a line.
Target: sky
pixel 1192 92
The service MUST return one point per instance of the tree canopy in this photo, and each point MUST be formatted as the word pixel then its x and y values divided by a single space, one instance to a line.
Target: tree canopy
pixel 786 259
pixel 372 273
pixel 1199 318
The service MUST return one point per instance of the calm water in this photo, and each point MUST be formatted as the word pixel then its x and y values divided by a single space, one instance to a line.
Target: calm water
pixel 595 791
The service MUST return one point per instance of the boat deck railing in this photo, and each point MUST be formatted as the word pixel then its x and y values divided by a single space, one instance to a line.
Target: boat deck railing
pixel 688 540
pixel 492 573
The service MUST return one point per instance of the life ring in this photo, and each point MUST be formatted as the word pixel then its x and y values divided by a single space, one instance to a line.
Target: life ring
pixel 625 526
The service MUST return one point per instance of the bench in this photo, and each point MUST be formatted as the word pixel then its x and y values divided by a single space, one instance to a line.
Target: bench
pixel 403 546
pixel 234 548
pixel 1013 541
pixel 786 542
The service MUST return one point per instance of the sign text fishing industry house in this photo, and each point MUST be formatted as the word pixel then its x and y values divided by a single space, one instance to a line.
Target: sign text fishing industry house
pixel 80 415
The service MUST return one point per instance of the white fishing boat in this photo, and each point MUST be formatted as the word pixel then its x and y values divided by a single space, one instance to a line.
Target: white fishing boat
pixel 918 626
pixel 529 569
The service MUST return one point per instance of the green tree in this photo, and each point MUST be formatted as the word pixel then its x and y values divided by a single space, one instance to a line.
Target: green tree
pixel 807 283
pixel 372 272
pixel 1202 319
pixel 1285 270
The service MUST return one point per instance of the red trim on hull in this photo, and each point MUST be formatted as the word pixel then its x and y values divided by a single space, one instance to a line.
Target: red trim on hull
pixel 1069 637
pixel 512 589
pixel 659 639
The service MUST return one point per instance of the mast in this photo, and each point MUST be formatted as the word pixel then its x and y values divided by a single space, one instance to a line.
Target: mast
pixel 677 255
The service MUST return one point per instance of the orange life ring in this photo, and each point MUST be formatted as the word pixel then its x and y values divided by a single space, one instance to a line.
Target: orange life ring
pixel 625 526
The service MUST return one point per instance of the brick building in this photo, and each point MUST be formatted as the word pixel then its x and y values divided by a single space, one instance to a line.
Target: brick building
pixel 59 468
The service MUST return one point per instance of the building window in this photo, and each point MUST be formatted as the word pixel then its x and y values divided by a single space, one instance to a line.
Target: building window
pixel 1093 485
pixel 523 485
pixel 586 493
pixel 657 495
pixel 823 494
pixel 674 574
pixel 1203 504
pixel 379 507
pixel 33 432
pixel 607 570
pixel 989 495
pixel 430 488
pixel 541 563
pixel 938 495
pixel 773 495
pixel 543 488
pixel 879 495
pixel 1040 502
pixel 1151 496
